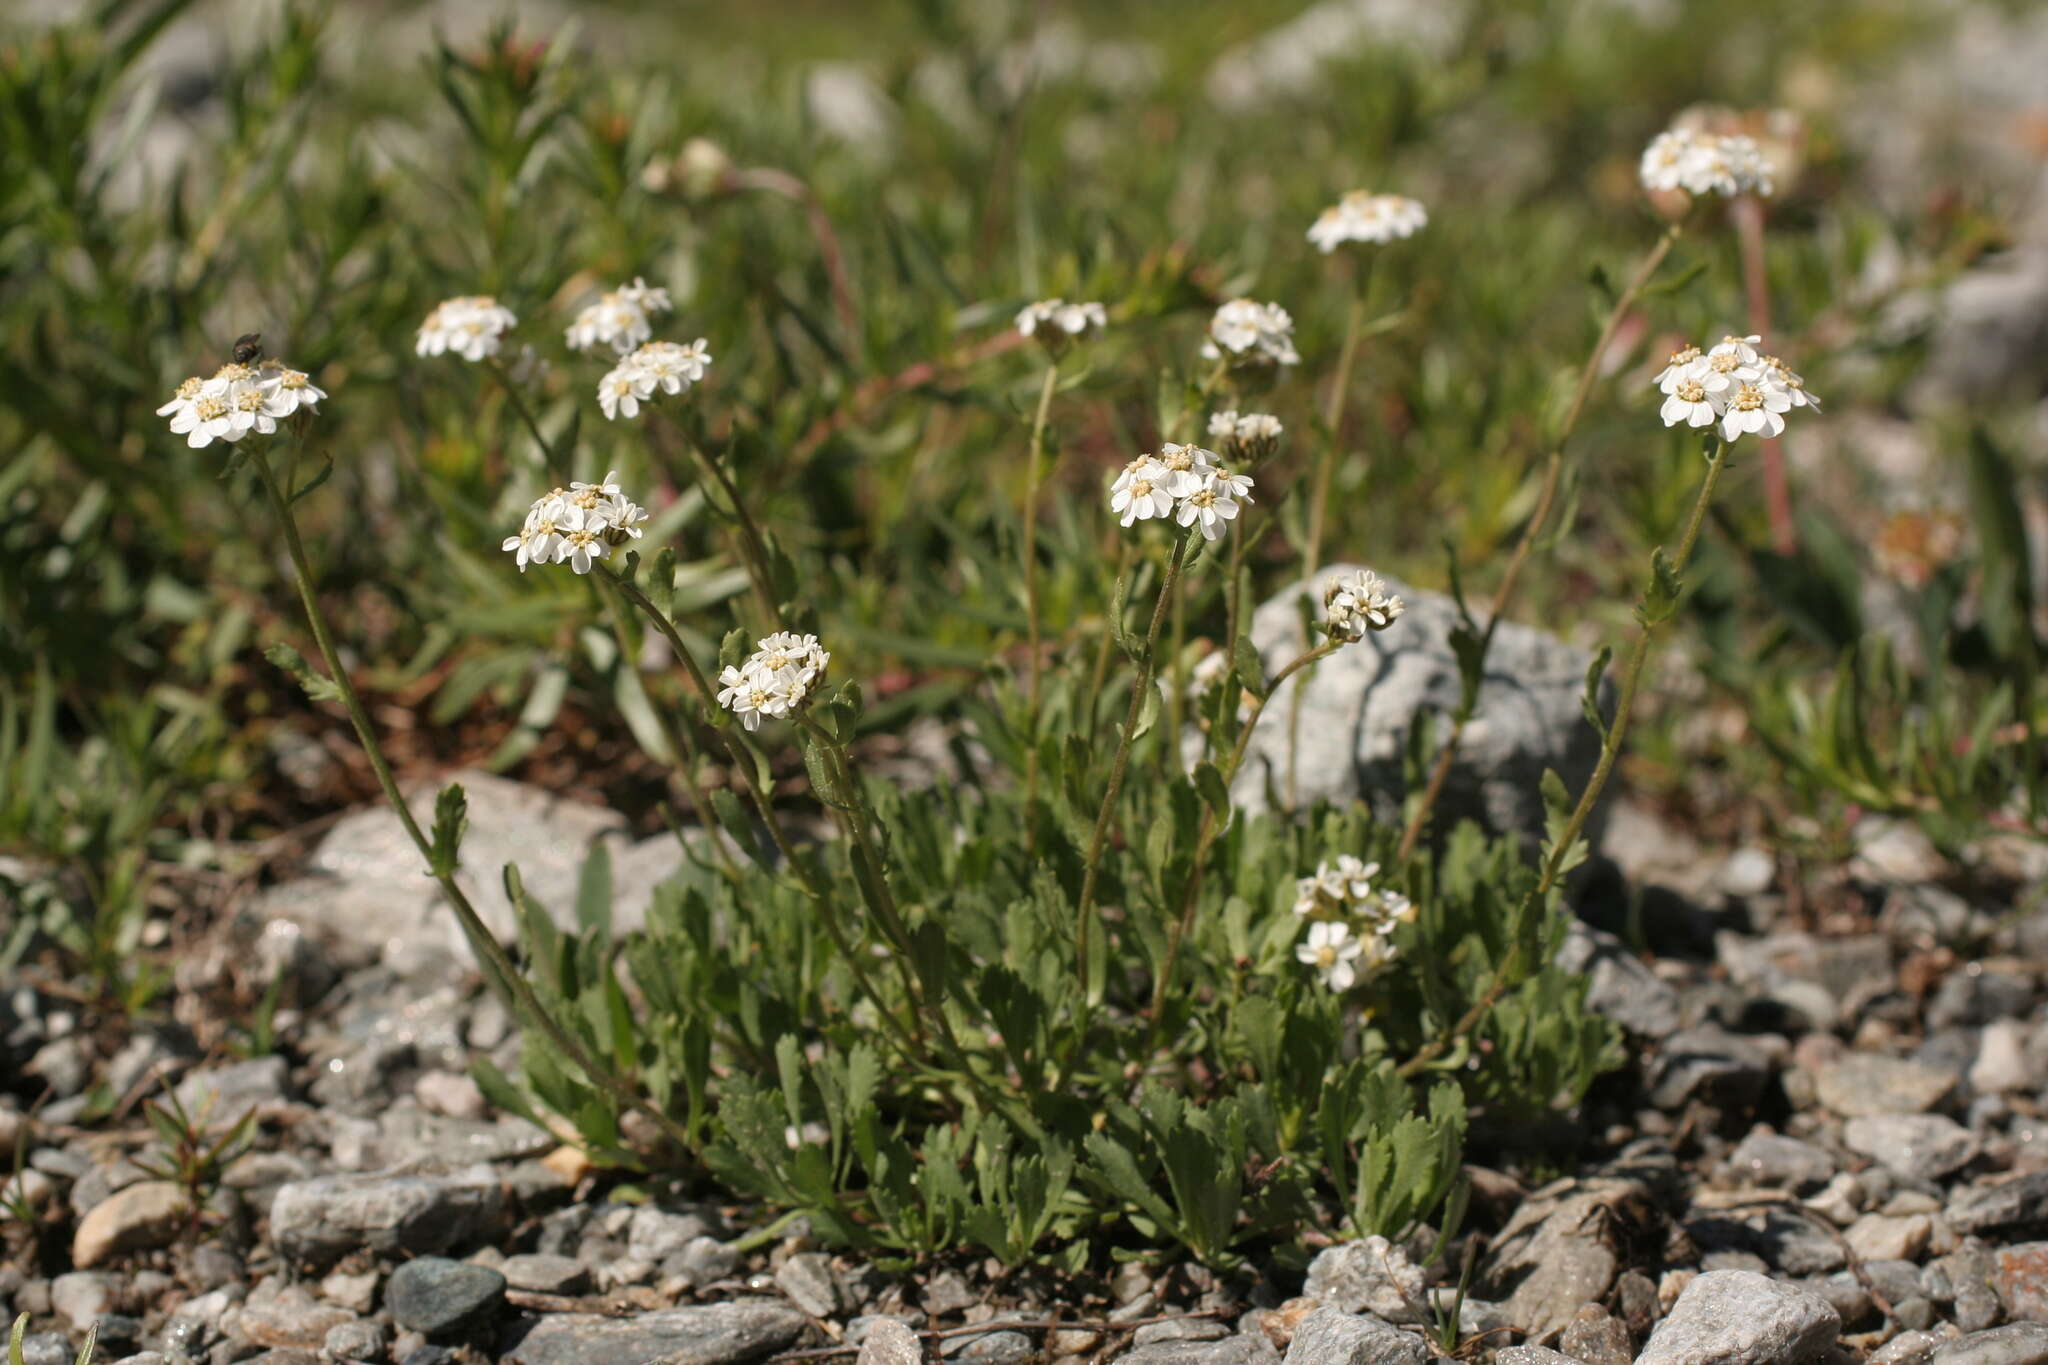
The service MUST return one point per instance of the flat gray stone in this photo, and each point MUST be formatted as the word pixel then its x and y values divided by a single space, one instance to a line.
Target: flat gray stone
pixel 709 1334
pixel 889 1342
pixel 2006 1204
pixel 541 1274
pixel 1918 1146
pixel 1738 1317
pixel 365 885
pixel 1328 1337
pixel 1558 1252
pixel 2022 1343
pixel 443 1299
pixel 317 1222
pixel 1244 1348
pixel 1367 1276
pixel 1771 1159
pixel 1619 984
pixel 812 1284
pixel 1359 705
pixel 1861 1084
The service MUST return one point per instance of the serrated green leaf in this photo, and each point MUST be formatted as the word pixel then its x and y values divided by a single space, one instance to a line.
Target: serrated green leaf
pixel 317 686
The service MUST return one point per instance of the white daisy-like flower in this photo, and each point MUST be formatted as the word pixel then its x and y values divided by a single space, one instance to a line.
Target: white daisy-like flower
pixel 620 319
pixel 1358 603
pixel 1702 163
pixel 1732 383
pixel 1142 491
pixel 786 653
pixel 1332 951
pixel 581 538
pixel 577 525
pixel 1363 217
pixel 657 366
pixel 1238 486
pixel 1247 332
pixel 472 326
pixel 751 694
pixel 1055 323
pixel 234 402
pixel 1755 406
pixel 288 389
pixel 1207 507
pixel 1185 466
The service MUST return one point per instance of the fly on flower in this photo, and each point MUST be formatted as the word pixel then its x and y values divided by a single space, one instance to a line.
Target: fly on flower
pixel 239 399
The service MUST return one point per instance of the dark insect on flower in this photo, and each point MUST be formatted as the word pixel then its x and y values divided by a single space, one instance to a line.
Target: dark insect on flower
pixel 248 348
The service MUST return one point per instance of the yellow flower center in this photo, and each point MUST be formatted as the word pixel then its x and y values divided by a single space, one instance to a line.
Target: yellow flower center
pixel 1691 391
pixel 1748 398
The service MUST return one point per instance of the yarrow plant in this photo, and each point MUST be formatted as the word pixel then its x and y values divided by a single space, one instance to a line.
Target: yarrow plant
pixel 1056 324
pixel 239 399
pixel 1246 332
pixel 578 525
pixel 1351 921
pixel 1248 436
pixel 1734 384
pixel 1703 163
pixel 473 327
pixel 1359 604
pixel 1187 482
pixel 776 679
pixel 621 319
pixel 656 367
pixel 1375 219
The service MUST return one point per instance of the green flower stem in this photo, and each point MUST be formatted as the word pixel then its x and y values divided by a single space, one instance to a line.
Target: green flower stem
pixel 1034 458
pixel 1206 836
pixel 1147 663
pixel 682 748
pixel 518 401
pixel 503 972
pixel 1333 420
pixel 1575 824
pixel 1553 469
pixel 901 1034
pixel 754 549
pixel 1098 675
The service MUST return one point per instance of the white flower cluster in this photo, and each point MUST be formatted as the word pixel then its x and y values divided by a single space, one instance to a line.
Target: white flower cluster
pixel 472 326
pixel 775 679
pixel 1363 217
pixel 1248 436
pixel 577 525
pixel 661 365
pixel 238 399
pixel 1733 383
pixel 1247 332
pixel 1357 603
pixel 1056 323
pixel 620 319
pixel 1702 163
pixel 1188 482
pixel 1337 897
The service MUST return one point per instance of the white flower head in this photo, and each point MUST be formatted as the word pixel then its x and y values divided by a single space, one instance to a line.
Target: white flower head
pixel 578 525
pixel 1358 603
pixel 1372 218
pixel 621 319
pixel 237 400
pixel 1702 163
pixel 776 679
pixel 1332 951
pixel 1733 384
pixel 1246 332
pixel 1208 505
pixel 1056 324
pixel 656 367
pixel 1142 491
pixel 473 327
pixel 1248 436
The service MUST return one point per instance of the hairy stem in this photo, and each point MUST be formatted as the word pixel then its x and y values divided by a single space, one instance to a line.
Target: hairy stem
pixel 1147 660
pixel 1546 498
pixel 1034 665
pixel 503 972
pixel 1560 850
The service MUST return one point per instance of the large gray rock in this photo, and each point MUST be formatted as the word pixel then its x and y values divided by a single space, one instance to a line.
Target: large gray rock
pixel 317 1222
pixel 709 1334
pixel 1918 1146
pixel 1562 1248
pixel 889 1342
pixel 443 1298
pixel 1738 1317
pixel 2022 1343
pixel 365 885
pixel 1359 705
pixel 1620 986
pixel 1328 1337
pixel 1369 1276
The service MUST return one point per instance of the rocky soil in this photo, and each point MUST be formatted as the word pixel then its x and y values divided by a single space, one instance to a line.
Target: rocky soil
pixel 1828 1146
